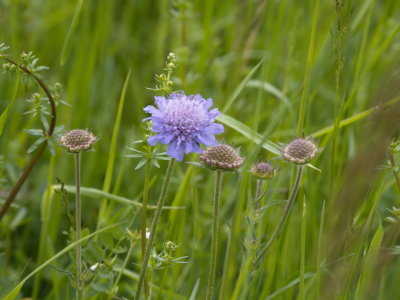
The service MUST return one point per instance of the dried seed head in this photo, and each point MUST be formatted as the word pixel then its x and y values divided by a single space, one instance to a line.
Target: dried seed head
pixel 300 151
pixel 263 170
pixel 77 140
pixel 222 157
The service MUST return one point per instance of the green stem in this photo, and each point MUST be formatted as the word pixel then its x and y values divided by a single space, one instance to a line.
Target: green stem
pixel 157 214
pixel 284 217
pixel 144 222
pixel 214 242
pixel 78 225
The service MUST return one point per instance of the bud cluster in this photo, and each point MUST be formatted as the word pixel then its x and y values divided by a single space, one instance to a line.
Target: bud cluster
pixel 263 170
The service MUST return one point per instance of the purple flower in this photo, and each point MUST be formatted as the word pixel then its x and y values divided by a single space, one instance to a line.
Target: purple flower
pixel 183 122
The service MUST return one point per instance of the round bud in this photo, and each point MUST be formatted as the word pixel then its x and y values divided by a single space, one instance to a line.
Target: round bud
pixel 77 140
pixel 300 151
pixel 222 157
pixel 263 170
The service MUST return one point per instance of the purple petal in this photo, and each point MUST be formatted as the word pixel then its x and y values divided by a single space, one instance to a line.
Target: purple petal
pixel 215 128
pixel 175 151
pixel 151 109
pixel 165 138
pixel 207 139
pixel 192 147
pixel 208 103
pixel 153 140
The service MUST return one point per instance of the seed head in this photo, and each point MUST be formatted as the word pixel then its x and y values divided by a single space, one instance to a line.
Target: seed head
pixel 300 151
pixel 263 170
pixel 77 140
pixel 222 157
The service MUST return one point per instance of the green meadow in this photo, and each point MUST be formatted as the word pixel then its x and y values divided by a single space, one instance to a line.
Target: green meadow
pixel 326 71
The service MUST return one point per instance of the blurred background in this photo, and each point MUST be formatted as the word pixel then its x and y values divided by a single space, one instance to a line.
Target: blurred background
pixel 260 62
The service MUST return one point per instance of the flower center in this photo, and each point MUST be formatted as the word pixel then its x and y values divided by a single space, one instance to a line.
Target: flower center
pixel 185 117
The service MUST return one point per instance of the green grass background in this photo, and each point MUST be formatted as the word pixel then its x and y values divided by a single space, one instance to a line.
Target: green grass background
pixel 322 63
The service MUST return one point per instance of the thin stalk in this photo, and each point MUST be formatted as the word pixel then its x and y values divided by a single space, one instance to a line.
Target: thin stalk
pixel 214 242
pixel 144 222
pixel 284 217
pixel 153 229
pixel 78 225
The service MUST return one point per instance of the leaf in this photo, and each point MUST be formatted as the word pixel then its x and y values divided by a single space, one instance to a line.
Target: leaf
pixel 289 285
pixel 195 289
pixel 4 114
pixel 369 264
pixel 50 144
pixel 44 121
pixel 36 144
pixel 270 89
pixel 141 163
pixel 240 87
pixel 36 132
pixel 92 192
pixel 74 23
pixel 249 133
pixel 114 138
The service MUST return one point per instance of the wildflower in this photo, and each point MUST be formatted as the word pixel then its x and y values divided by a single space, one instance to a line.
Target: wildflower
pixel 77 140
pixel 222 157
pixel 183 122
pixel 300 151
pixel 263 170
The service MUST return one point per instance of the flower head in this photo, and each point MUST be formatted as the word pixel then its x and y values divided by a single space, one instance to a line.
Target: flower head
pixel 263 170
pixel 300 151
pixel 183 122
pixel 77 140
pixel 223 157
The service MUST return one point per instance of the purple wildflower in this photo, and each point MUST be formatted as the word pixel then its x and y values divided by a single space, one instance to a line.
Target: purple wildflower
pixel 183 122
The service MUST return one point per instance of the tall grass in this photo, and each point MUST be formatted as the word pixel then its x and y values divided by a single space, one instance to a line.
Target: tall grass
pixel 276 69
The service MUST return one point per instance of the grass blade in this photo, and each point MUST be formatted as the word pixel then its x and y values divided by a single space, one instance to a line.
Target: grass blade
pixel 240 87
pixel 248 132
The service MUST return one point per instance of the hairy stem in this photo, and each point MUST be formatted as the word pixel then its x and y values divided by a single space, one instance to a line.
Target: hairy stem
pixel 214 242
pixel 153 229
pixel 78 225
pixel 144 222
pixel 13 193
pixel 284 217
